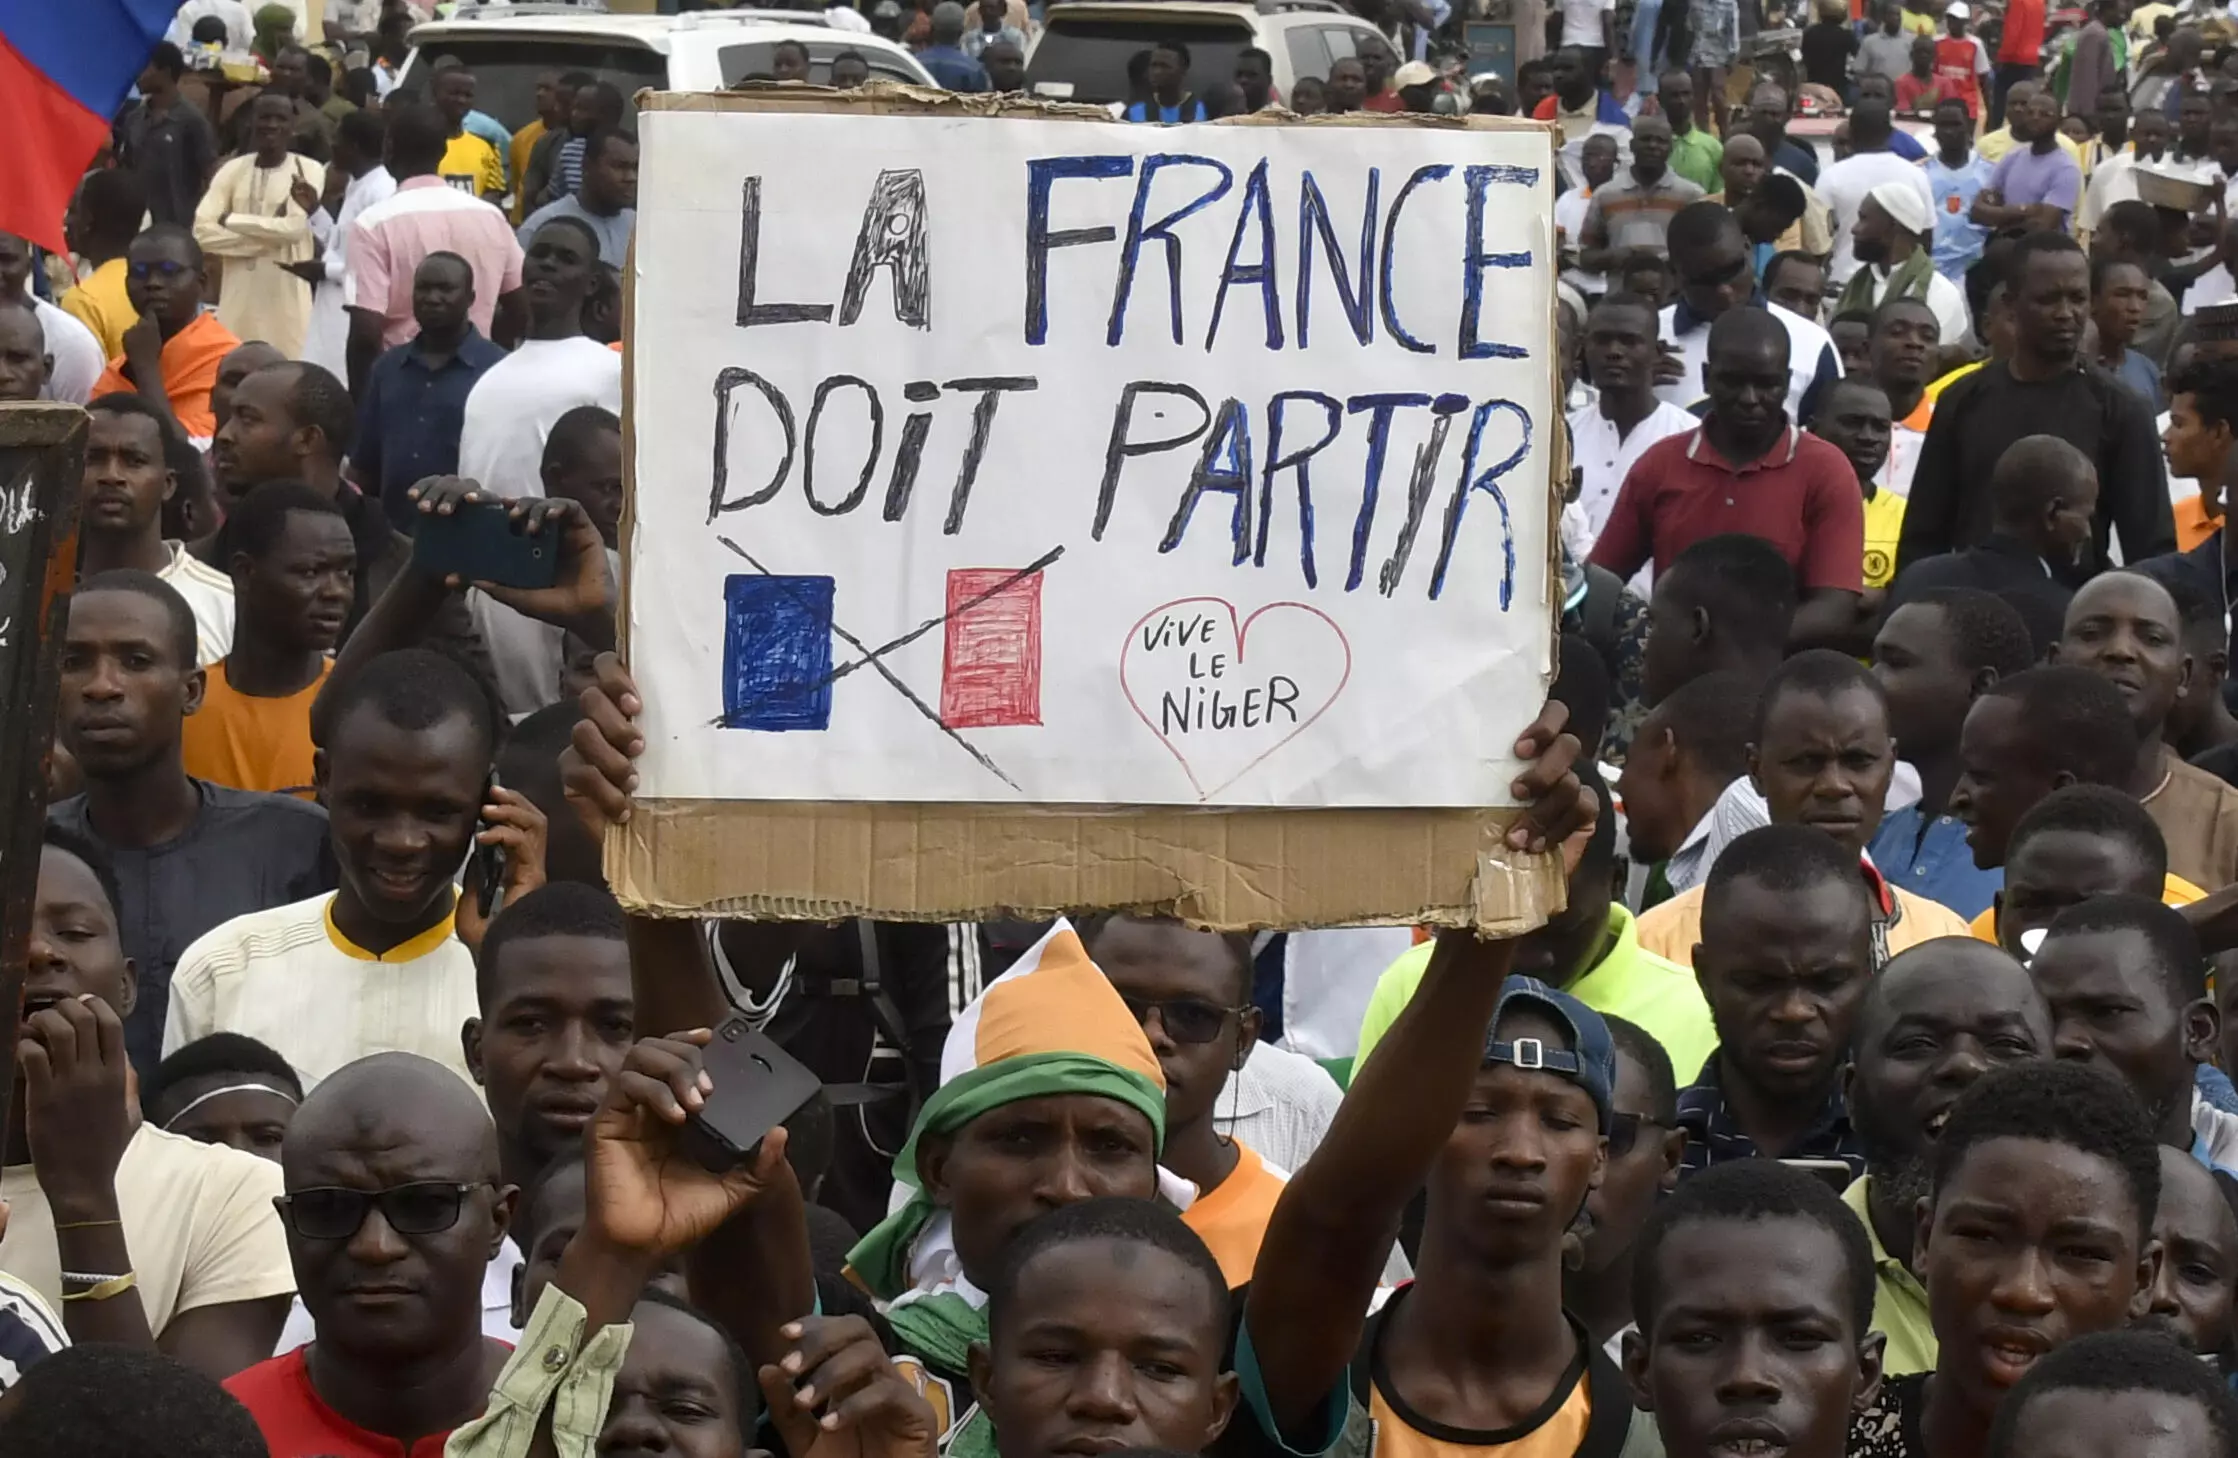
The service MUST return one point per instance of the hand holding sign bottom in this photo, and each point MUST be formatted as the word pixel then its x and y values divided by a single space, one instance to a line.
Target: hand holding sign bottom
pixel 1219 712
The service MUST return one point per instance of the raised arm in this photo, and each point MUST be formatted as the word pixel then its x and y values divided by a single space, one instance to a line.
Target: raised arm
pixel 1332 1229
pixel 754 1275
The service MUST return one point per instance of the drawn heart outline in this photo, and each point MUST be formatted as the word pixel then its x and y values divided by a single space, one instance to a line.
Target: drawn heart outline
pixel 1241 630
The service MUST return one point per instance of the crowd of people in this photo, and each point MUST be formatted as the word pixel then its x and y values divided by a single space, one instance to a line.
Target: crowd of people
pixel 1867 1097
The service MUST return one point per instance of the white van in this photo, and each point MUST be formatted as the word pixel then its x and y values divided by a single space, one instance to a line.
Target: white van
pixel 1082 51
pixel 508 46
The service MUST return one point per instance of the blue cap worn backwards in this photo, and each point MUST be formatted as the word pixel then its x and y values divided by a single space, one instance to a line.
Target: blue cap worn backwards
pixel 1590 1060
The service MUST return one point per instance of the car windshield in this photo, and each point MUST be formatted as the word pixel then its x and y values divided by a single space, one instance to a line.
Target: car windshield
pixel 1093 53
pixel 756 58
pixel 505 68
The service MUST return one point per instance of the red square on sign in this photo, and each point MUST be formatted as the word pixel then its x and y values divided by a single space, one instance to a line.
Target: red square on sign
pixel 990 668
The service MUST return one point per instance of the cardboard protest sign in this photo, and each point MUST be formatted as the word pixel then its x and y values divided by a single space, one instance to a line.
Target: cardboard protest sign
pixel 1009 478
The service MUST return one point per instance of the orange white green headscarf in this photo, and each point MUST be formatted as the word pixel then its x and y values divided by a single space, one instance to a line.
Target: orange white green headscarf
pixel 1050 1025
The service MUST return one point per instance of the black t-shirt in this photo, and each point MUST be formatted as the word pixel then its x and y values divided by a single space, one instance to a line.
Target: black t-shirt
pixel 1982 415
pixel 1827 47
pixel 1890 1428
pixel 243 852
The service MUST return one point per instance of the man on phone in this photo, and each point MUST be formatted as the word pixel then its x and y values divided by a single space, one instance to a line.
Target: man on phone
pixel 405 746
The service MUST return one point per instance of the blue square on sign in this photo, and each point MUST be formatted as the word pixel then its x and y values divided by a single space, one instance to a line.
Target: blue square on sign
pixel 776 652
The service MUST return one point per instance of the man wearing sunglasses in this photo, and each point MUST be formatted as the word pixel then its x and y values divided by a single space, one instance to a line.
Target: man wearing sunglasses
pixel 1191 990
pixel 394 1206
pixel 1714 260
pixel 172 353
pixel 1645 1147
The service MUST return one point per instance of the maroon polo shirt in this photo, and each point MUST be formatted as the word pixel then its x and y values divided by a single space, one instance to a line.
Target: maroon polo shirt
pixel 1801 496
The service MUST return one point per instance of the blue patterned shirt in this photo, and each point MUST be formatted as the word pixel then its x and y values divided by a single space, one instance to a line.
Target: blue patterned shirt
pixel 1713 1136
pixel 1958 238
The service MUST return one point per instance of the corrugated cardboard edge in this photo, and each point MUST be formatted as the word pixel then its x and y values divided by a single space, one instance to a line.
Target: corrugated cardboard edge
pixel 1230 869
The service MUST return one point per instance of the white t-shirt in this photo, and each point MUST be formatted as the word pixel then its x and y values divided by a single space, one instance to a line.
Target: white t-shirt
pixel 1569 216
pixel 497 1305
pixel 1604 459
pixel 209 595
pixel 1811 359
pixel 289 978
pixel 198 1219
pixel 1844 186
pixel 1581 21
pixel 74 352
pixel 512 408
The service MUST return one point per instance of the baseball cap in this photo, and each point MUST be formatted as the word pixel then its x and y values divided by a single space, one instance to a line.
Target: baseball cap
pixel 1590 1060
pixel 1958 8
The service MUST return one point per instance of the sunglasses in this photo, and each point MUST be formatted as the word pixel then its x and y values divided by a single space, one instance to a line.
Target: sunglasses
pixel 161 268
pixel 1624 1132
pixel 328 1212
pixel 1186 1019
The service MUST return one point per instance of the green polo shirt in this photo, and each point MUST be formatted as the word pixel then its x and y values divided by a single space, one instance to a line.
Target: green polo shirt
pixel 1629 981
pixel 1697 157
pixel 1899 1300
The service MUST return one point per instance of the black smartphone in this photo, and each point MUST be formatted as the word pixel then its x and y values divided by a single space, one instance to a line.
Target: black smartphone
pixel 758 1086
pixel 485 864
pixel 481 542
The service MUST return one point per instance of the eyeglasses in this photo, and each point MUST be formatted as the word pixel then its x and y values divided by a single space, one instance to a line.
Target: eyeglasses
pixel 1186 1019
pixel 329 1212
pixel 1624 1132
pixel 161 268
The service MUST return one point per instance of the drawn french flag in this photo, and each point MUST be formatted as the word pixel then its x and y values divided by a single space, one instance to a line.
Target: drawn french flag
pixel 990 664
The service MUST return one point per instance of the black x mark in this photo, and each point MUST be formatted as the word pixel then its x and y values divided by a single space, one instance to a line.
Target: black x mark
pixel 873 658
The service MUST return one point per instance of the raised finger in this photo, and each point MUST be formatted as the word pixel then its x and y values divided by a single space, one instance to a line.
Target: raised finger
pixel 844 1372
pixel 810 1341
pixel 643 1091
pixel 615 681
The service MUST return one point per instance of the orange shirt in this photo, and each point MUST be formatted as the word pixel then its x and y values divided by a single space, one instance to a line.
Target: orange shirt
pixel 252 743
pixel 1232 1219
pixel 190 361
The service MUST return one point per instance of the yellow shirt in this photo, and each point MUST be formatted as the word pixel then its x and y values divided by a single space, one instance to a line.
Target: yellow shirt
pixel 2174 891
pixel 1399 1433
pixel 1917 24
pixel 1936 386
pixel 102 305
pixel 524 142
pixel 252 743
pixel 1884 524
pixel 1630 982
pixel 1232 1219
pixel 1672 929
pixel 472 165
pixel 1899 1300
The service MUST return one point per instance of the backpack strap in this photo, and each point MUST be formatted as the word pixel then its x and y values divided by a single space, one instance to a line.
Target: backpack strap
pixel 1609 1426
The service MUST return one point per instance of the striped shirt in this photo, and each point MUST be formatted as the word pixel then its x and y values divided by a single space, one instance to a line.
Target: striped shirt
pixel 1627 213
pixel 389 239
pixel 289 978
pixel 29 1330
pixel 209 596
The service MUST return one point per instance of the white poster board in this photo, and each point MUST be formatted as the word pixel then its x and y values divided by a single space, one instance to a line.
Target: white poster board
pixel 982 460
